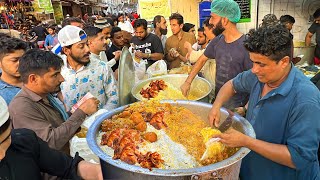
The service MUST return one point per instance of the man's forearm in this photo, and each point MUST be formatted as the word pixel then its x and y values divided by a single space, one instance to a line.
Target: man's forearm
pixel 275 152
pixel 156 56
pixel 196 68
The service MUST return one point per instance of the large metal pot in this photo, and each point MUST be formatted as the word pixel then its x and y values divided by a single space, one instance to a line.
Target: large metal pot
pixel 300 48
pixel 227 169
pixel 200 87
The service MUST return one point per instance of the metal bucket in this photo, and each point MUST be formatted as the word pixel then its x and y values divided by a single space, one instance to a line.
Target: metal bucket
pixel 227 169
pixel 300 48
pixel 200 87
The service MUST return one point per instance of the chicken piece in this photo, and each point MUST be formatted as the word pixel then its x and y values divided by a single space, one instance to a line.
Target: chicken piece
pixel 142 126
pixel 106 125
pixel 104 139
pixel 146 164
pixel 113 138
pixel 128 154
pixel 136 117
pixel 156 159
pixel 150 136
pixel 153 93
pixel 125 140
pixel 124 114
pixel 157 120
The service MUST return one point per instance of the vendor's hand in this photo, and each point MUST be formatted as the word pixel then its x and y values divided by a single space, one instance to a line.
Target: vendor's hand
pixel 240 110
pixel 214 116
pixel 139 54
pixel 117 55
pixel 233 138
pixel 89 171
pixel 90 106
pixel 185 88
pixel 188 56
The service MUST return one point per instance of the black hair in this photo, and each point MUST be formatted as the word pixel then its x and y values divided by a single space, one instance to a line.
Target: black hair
pixel 51 27
pixel 272 41
pixel 92 31
pixel 114 30
pixel 9 45
pixel 36 61
pixel 207 23
pixel 176 16
pixel 156 19
pixel 201 29
pixel 70 20
pixel 316 14
pixel 119 15
pixel 139 23
pixel 187 26
pixel 287 19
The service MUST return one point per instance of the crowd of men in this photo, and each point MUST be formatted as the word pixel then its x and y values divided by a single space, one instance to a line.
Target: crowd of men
pixel 252 72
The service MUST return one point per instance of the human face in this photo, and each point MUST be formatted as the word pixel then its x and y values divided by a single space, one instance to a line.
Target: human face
pixel 5 142
pixel 268 70
pixel 317 20
pixel 208 32
pixel 289 26
pixel 10 63
pixel 80 25
pixel 201 38
pixel 118 39
pixel 50 31
pixel 50 81
pixel 175 26
pixel 79 52
pixel 216 21
pixel 121 19
pixel 192 31
pixel 106 31
pixel 163 26
pixel 98 43
pixel 140 33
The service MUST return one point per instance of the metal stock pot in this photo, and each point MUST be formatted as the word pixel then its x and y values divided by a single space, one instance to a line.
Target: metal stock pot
pixel 226 169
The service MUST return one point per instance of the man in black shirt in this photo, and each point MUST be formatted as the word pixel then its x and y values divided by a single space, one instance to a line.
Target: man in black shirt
pixel 39 31
pixel 147 45
pixel 117 40
pixel 23 155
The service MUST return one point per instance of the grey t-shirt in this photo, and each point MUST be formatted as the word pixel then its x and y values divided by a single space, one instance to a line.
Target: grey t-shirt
pixel 231 59
pixel 315 29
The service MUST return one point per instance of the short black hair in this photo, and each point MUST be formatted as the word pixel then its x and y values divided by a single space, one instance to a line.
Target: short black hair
pixel 272 41
pixel 187 26
pixel 114 30
pixel 51 27
pixel 177 16
pixel 9 45
pixel 316 14
pixel 201 29
pixel 156 19
pixel 140 22
pixel 119 15
pixel 92 31
pixel 70 20
pixel 207 23
pixel 36 61
pixel 287 19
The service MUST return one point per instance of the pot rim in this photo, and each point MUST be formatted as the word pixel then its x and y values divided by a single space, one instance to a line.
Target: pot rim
pixel 134 88
pixel 95 127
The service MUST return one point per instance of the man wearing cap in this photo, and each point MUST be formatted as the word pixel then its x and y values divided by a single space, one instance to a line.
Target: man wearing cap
pixel 11 50
pixel 83 74
pixel 227 49
pixel 35 108
pixel 23 155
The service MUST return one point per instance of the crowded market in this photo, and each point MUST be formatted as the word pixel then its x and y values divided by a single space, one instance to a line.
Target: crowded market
pixel 160 89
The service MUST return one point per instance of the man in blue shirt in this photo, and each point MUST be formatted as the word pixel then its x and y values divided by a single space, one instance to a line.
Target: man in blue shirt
pixel 11 49
pixel 284 110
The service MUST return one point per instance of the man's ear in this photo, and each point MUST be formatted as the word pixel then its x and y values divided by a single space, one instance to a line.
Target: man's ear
pixel 66 51
pixel 33 79
pixel 224 21
pixel 181 26
pixel 285 61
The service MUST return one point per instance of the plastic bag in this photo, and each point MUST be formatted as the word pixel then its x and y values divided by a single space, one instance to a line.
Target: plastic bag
pixel 139 69
pixel 158 68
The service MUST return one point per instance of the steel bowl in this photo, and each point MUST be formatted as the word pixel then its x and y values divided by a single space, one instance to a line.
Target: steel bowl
pixel 226 169
pixel 200 87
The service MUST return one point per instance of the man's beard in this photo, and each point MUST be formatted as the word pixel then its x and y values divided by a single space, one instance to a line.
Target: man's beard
pixel 78 60
pixel 218 29
pixel 163 31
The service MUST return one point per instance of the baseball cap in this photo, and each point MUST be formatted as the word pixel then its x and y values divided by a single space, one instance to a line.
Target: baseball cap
pixel 226 8
pixel 67 36
pixel 4 113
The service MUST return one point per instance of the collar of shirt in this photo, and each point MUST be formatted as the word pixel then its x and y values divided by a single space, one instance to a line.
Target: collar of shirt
pixel 32 95
pixel 94 56
pixel 4 85
pixel 162 36
pixel 286 86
